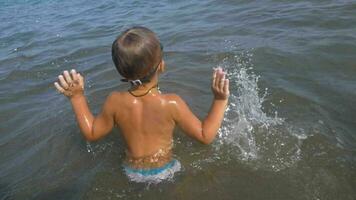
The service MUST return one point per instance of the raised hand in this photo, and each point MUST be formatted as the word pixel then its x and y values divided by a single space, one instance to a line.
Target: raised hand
pixel 220 84
pixel 70 84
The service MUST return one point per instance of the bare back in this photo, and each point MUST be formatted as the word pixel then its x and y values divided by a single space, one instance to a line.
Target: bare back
pixel 146 122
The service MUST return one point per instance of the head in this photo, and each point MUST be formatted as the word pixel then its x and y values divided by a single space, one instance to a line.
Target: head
pixel 137 54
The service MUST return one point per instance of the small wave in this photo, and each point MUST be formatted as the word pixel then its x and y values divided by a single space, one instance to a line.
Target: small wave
pixel 253 136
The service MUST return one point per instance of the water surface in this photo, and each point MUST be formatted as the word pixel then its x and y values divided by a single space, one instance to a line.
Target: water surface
pixel 289 132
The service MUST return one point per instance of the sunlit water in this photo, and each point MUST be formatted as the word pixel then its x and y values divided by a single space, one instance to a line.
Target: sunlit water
pixel 288 133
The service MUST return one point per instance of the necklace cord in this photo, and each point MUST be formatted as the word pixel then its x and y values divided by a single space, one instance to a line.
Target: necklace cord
pixel 141 95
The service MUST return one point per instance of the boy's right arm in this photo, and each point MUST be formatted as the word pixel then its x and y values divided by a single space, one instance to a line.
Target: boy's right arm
pixel 206 130
pixel 92 128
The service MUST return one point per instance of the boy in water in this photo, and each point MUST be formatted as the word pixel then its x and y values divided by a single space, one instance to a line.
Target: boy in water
pixel 145 116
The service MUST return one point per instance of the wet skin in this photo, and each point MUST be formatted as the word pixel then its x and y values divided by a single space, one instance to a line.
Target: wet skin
pixel 146 122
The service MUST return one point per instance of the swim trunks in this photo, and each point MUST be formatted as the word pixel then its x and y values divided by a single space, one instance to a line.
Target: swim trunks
pixel 153 175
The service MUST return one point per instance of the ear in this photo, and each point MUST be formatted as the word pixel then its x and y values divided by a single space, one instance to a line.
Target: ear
pixel 162 66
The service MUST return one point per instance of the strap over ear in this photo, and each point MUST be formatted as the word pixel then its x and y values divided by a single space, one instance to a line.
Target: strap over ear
pixel 136 82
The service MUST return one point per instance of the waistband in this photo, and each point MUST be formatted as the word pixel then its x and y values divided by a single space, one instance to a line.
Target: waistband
pixel 152 171
pixel 154 175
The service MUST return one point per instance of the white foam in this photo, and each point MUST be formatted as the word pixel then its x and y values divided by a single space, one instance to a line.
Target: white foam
pixel 261 139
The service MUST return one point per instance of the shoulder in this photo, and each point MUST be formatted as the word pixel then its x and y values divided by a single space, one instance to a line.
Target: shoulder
pixel 173 99
pixel 175 104
pixel 118 96
pixel 114 98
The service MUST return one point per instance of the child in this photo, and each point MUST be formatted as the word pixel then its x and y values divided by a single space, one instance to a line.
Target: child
pixel 145 117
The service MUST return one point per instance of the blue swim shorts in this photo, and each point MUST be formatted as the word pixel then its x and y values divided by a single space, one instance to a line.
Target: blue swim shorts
pixel 154 175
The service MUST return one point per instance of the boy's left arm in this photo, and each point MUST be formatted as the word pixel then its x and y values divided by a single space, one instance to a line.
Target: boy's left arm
pixel 93 128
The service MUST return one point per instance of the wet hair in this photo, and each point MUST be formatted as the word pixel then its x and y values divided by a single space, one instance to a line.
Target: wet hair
pixel 137 53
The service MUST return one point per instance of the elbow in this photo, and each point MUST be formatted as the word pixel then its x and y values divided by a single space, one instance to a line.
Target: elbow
pixel 90 139
pixel 208 134
pixel 206 140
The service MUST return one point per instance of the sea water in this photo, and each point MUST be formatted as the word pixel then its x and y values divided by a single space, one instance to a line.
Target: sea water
pixel 288 133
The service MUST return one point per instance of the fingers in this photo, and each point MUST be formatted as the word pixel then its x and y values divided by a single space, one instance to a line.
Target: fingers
pixel 214 77
pixel 58 87
pixel 80 80
pixel 226 87
pixel 222 81
pixel 220 84
pixel 67 77
pixel 74 74
pixel 217 77
pixel 219 80
pixel 63 82
pixel 68 82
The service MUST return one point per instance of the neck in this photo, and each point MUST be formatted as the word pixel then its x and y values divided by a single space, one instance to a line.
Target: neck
pixel 143 90
pixel 146 86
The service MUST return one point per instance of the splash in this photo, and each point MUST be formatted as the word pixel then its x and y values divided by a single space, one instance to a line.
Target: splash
pixel 99 148
pixel 254 136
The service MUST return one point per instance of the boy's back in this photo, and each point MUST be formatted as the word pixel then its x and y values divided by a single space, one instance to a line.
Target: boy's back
pixel 145 116
pixel 146 123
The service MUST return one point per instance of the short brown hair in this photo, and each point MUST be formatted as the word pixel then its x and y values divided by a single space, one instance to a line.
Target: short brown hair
pixel 135 52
